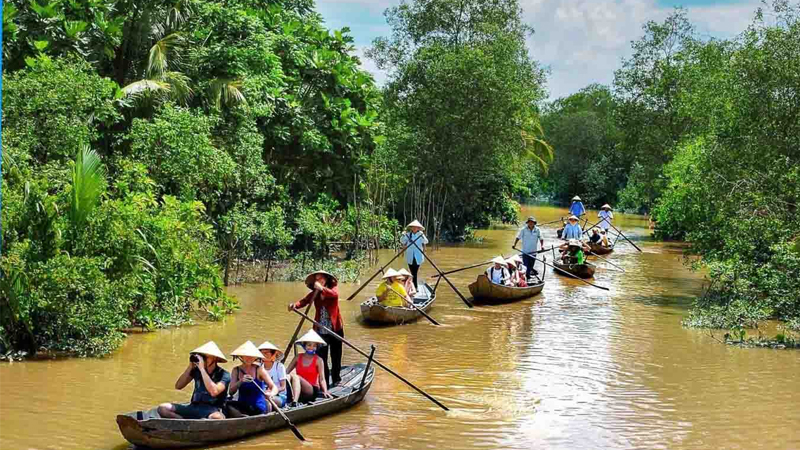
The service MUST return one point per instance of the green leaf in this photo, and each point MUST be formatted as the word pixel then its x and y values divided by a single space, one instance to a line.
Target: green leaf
pixel 74 27
pixel 41 45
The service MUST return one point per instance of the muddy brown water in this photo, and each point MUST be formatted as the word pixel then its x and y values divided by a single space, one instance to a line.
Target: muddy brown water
pixel 574 367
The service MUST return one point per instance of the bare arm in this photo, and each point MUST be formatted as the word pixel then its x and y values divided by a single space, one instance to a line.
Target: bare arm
pixel 185 377
pixel 213 388
pixel 292 364
pixel 235 382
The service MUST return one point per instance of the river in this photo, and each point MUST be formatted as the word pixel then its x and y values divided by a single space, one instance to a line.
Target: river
pixel 575 367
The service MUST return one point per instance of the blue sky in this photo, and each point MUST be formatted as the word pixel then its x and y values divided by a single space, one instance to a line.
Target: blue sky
pixel 580 41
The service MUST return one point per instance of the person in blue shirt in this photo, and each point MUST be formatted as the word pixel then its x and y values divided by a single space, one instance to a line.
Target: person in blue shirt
pixel 576 208
pixel 531 237
pixel 572 230
pixel 414 240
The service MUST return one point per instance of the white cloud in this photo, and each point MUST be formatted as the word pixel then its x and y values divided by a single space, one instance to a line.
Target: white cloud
pixel 581 41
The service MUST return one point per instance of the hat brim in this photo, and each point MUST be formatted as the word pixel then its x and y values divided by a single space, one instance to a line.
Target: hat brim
pixel 310 278
pixel 210 348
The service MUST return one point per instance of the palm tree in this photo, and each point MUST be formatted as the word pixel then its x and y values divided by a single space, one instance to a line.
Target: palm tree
pixel 534 145
pixel 88 182
pixel 162 83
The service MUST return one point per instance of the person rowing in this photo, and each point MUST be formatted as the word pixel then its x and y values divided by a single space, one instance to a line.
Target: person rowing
pixel 250 379
pixel 391 292
pixel 572 230
pixel 306 371
pixel 210 386
pixel 325 294
pixel 414 240
pixel 576 208
pixel 276 370
pixel 606 216
pixel 498 272
pixel 531 237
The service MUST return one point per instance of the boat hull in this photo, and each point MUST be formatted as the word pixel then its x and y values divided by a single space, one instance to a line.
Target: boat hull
pixel 579 270
pixel 373 311
pixel 484 291
pixel 148 429
pixel 598 249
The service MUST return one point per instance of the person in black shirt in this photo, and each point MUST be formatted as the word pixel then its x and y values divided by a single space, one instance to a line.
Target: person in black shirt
pixel 595 238
pixel 210 386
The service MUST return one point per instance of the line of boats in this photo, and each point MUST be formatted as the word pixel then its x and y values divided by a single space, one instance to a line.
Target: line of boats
pixel 148 429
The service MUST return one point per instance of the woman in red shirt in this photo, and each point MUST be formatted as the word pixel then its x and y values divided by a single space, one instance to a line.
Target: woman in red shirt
pixel 306 370
pixel 325 295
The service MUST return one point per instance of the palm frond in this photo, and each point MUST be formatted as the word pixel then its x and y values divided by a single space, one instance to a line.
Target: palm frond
pixel 180 91
pixel 226 91
pixel 88 180
pixel 145 87
pixel 163 54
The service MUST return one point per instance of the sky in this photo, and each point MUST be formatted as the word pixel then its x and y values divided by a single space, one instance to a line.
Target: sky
pixel 580 41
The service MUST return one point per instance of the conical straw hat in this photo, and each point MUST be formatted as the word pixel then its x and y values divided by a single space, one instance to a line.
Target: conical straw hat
pixel 574 243
pixel 390 274
pixel 573 218
pixel 267 345
pixel 310 278
pixel 511 262
pixel 247 349
pixel 416 224
pixel 404 272
pixel 499 260
pixel 576 199
pixel 606 206
pixel 311 336
pixel 210 348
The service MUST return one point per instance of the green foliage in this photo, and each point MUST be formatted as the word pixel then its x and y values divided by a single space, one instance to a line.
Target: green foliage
pixel 462 88
pixel 88 184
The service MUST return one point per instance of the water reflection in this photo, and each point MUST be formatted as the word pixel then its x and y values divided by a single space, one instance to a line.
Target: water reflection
pixel 574 367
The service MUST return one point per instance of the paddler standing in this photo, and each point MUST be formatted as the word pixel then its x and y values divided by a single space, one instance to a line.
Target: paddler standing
pixel 606 217
pixel 576 208
pixel 414 256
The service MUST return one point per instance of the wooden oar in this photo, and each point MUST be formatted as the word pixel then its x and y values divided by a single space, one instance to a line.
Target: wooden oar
pixel 552 221
pixel 378 363
pixel 464 299
pixel 591 227
pixel 625 237
pixel 297 330
pixel 595 254
pixel 463 268
pixel 433 321
pixel 556 268
pixel 352 296
pixel 292 426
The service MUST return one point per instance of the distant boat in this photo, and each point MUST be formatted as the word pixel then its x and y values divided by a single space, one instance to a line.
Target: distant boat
pixel 487 292
pixel 373 311
pixel 585 270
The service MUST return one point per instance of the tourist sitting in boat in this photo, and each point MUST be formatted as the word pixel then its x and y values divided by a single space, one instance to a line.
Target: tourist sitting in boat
pixel 408 283
pixel 518 271
pixel 573 252
pixel 560 231
pixel 271 356
pixel 498 272
pixel 606 216
pixel 306 371
pixel 252 381
pixel 604 238
pixel 391 292
pixel 210 386
pixel 576 208
pixel 572 230
pixel 595 237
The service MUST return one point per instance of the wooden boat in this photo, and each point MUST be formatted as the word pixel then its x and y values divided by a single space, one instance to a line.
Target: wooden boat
pixel 148 429
pixel 373 311
pixel 585 270
pixel 598 249
pixel 487 292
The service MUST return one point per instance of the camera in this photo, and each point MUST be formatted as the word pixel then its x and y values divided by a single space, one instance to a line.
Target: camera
pixel 194 358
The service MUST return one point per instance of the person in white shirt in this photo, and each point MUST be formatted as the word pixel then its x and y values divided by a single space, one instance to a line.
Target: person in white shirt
pixel 498 272
pixel 275 369
pixel 531 237
pixel 606 216
pixel 414 249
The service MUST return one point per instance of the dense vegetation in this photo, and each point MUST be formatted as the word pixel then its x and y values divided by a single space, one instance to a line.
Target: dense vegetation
pixel 705 134
pixel 148 146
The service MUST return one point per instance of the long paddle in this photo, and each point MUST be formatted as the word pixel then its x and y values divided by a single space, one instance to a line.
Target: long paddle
pixel 464 299
pixel 595 254
pixel 297 330
pixel 292 426
pixel 449 272
pixel 626 237
pixel 556 268
pixel 591 227
pixel 433 321
pixel 352 296
pixel 552 221
pixel 379 364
